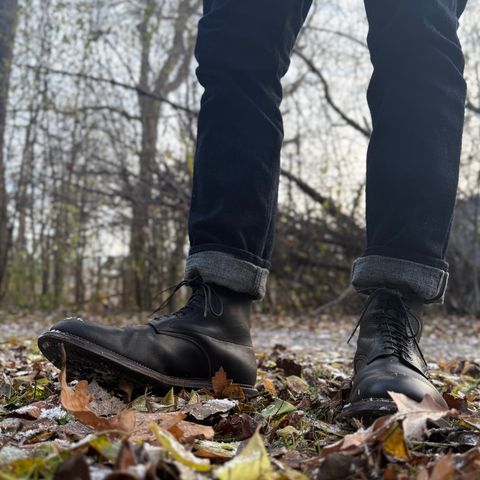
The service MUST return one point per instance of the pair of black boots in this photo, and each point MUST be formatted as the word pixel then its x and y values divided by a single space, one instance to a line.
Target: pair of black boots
pixel 212 331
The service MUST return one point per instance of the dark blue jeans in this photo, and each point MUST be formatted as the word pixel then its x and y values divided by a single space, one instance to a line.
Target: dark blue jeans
pixel 416 97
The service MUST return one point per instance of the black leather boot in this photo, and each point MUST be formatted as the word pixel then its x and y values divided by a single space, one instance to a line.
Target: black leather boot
pixel 388 357
pixel 182 349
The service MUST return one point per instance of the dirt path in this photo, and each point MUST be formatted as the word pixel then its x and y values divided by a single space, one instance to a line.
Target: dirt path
pixel 443 337
pixel 449 338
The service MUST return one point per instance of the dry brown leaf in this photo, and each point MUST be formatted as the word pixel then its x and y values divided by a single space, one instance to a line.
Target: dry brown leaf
pixel 126 387
pixel 75 467
pixel 443 468
pixel 225 388
pixel 270 387
pixel 173 422
pixel 186 432
pixel 356 442
pixel 233 392
pixel 422 474
pixel 220 382
pixel 415 414
pixel 76 401
pixel 166 421
pixel 126 457
pixel 457 403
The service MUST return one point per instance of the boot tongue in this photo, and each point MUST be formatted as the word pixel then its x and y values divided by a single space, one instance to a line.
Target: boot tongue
pixel 388 301
pixel 398 317
pixel 399 304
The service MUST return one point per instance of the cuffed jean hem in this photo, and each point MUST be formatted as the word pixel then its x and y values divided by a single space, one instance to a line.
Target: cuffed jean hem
pixel 227 271
pixel 373 271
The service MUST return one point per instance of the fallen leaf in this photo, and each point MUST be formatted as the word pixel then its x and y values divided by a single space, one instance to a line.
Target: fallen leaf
pixel 203 410
pixel 225 388
pixel 394 445
pixel 220 381
pixel 443 468
pixel 233 392
pixel 290 474
pixel 103 445
pixel 40 409
pixel 252 463
pixel 103 403
pixel 457 403
pixel 289 366
pixel 186 432
pixel 415 414
pixel 76 401
pixel 270 387
pixel 337 466
pixel 354 443
pixel 173 422
pixel 240 427
pixel 277 408
pixel 126 457
pixel 169 400
pixel 126 387
pixel 177 451
pixel 140 404
pixel 215 450
pixel 297 385
pixel 162 419
pixel 34 410
pixel 194 398
pixel 287 432
pixel 75 467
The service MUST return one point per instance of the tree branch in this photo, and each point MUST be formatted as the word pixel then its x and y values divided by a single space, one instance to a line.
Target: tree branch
pixel 366 132
pixel 139 90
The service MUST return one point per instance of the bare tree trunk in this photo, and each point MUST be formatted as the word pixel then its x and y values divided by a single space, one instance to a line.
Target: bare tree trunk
pixel 8 13
pixel 139 239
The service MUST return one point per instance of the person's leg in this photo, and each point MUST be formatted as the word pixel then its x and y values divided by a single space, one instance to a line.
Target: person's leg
pixel 243 50
pixel 417 99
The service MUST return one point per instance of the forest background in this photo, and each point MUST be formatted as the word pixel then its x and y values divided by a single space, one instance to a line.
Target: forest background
pixel 98 108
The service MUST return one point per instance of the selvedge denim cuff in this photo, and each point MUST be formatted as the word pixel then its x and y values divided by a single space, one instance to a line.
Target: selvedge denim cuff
pixel 228 271
pixel 374 271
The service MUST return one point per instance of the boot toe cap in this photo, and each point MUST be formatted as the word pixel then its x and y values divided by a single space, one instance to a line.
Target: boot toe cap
pixel 389 374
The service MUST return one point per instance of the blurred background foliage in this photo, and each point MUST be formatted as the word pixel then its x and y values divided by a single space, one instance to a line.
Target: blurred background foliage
pixel 98 105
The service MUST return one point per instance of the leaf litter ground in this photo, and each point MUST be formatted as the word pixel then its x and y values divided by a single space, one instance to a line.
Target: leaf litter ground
pixel 291 430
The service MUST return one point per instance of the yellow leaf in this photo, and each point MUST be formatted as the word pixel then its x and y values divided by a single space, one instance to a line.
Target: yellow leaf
pixel 169 399
pixel 251 464
pixel 288 432
pixel 270 387
pixel 394 444
pixel 177 451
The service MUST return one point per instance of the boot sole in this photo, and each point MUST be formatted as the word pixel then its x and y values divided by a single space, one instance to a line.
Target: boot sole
pixel 368 410
pixel 372 408
pixel 86 360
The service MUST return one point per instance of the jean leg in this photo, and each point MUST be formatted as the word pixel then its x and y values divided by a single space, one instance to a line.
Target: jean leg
pixel 417 100
pixel 243 50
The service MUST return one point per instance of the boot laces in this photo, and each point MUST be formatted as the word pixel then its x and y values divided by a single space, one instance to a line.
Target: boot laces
pixel 201 293
pixel 395 327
